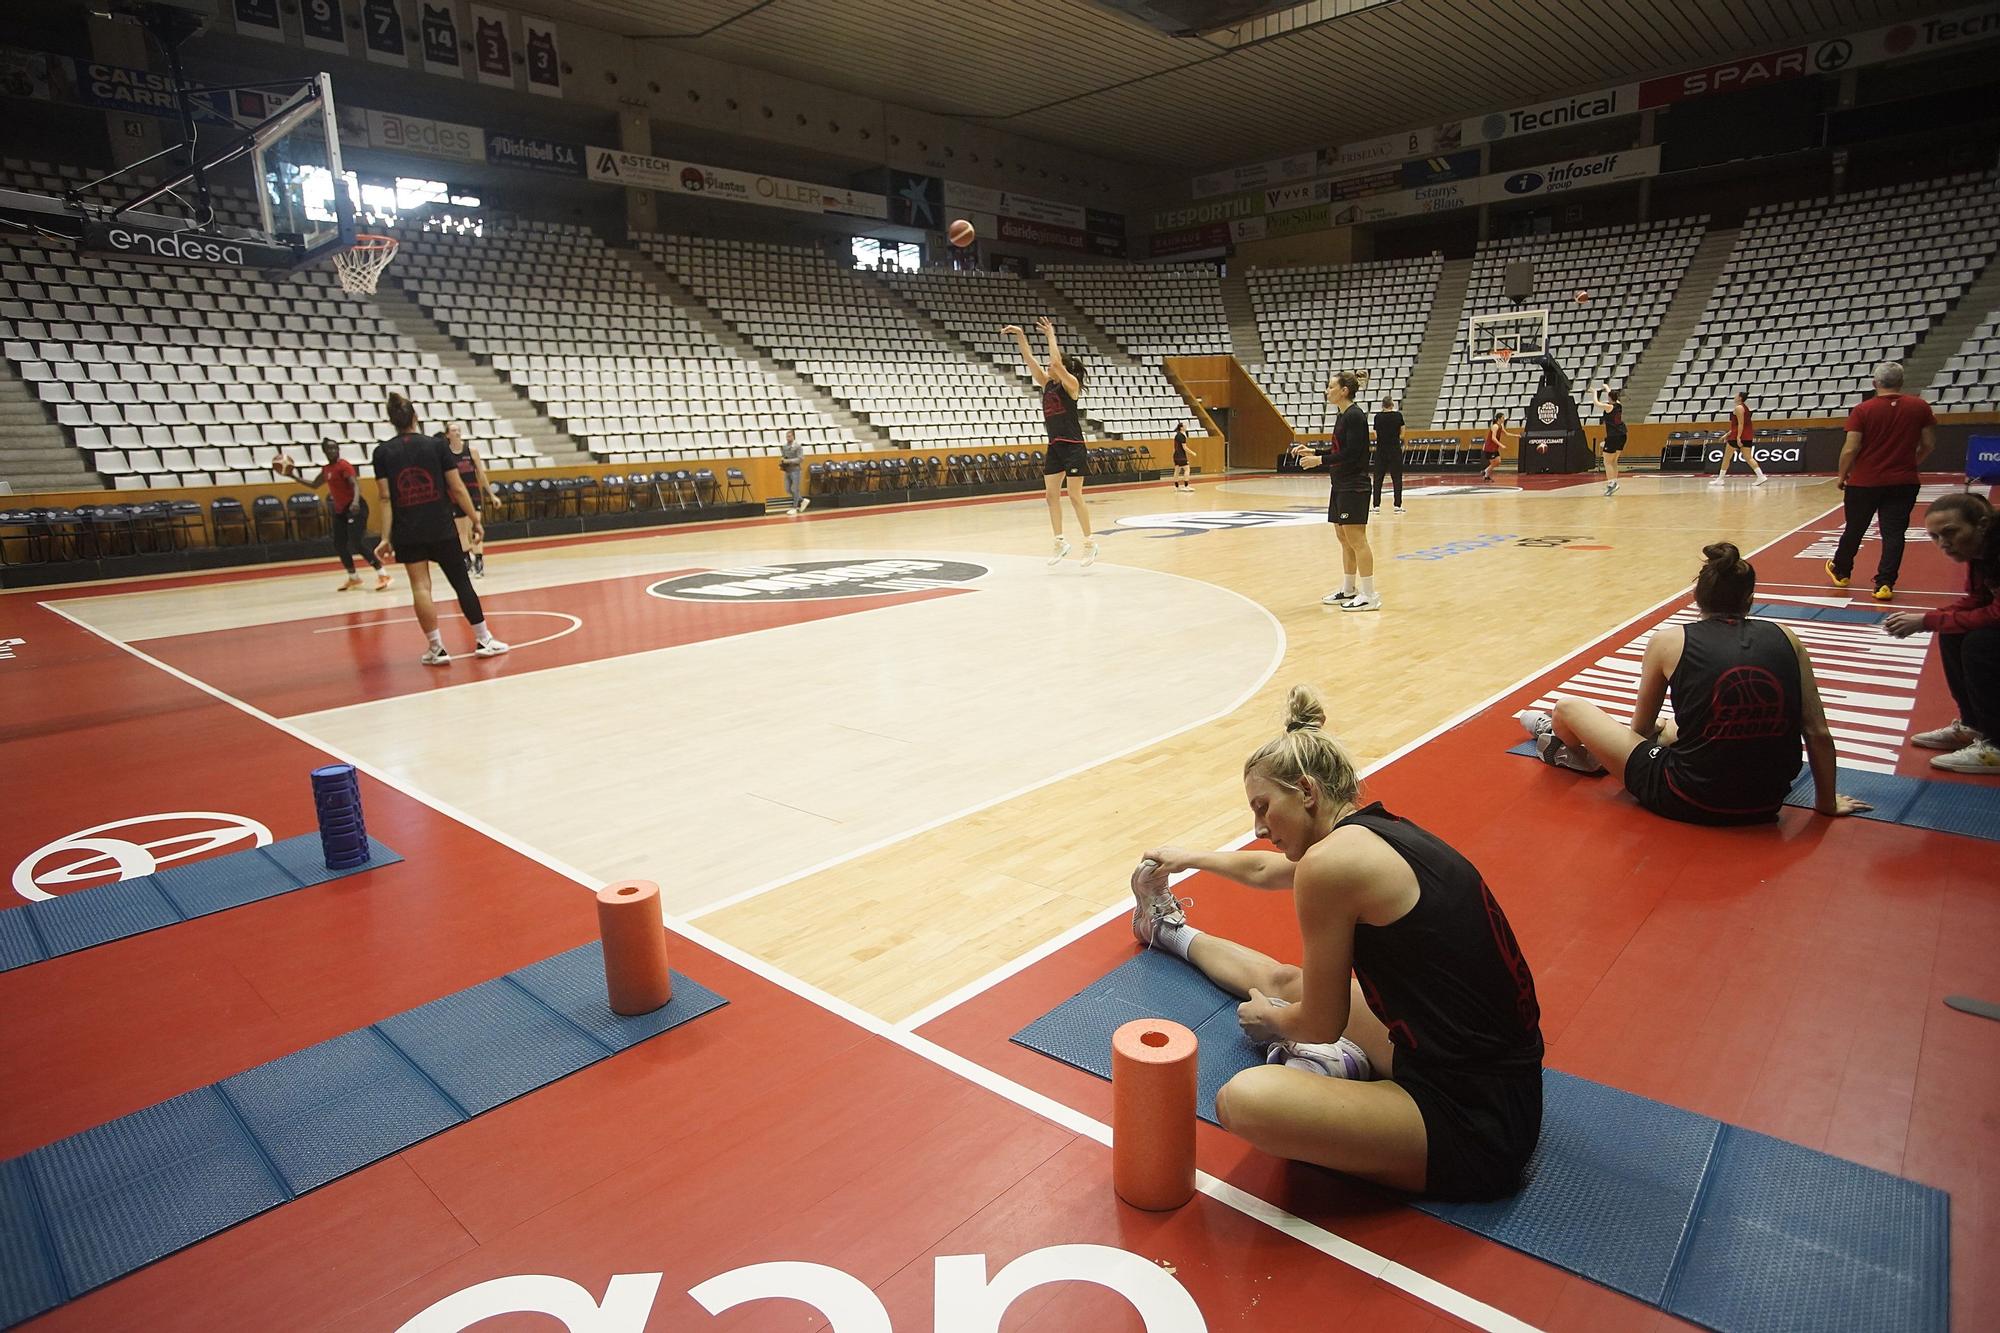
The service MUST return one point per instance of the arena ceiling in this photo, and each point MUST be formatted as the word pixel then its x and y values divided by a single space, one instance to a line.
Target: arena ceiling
pixel 1073 72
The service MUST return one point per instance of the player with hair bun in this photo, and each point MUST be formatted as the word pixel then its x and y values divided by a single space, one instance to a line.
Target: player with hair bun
pixel 1744 701
pixel 1347 508
pixel 1406 1048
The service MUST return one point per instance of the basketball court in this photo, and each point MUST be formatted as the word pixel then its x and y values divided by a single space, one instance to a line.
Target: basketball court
pixel 893 808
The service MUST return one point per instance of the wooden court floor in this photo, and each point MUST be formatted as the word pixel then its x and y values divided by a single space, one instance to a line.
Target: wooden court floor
pixel 889 803
pixel 892 771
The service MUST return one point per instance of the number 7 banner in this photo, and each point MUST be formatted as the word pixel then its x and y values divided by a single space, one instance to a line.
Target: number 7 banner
pixel 382 25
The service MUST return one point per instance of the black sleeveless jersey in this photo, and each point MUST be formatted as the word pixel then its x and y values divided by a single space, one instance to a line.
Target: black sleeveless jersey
pixel 1614 424
pixel 1059 414
pixel 1447 977
pixel 1740 711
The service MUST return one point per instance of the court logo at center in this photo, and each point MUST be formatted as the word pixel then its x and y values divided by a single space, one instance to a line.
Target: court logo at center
pixel 1220 520
pixel 817 579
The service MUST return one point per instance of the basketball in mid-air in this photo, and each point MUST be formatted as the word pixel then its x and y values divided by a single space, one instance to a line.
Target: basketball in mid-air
pixel 1582 297
pixel 960 233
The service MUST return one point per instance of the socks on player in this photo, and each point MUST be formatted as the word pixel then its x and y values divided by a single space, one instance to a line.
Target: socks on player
pixel 1339 1059
pixel 481 633
pixel 1347 585
pixel 1368 586
pixel 437 640
pixel 1175 940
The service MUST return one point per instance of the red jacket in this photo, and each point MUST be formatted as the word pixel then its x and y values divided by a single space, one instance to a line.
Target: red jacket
pixel 1978 609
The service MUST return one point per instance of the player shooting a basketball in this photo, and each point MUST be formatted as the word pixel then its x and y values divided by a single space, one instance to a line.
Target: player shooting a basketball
pixel 1068 459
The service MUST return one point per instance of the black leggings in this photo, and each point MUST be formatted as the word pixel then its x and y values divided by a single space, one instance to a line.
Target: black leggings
pixel 1889 507
pixel 349 527
pixel 451 560
pixel 1389 462
pixel 1972 670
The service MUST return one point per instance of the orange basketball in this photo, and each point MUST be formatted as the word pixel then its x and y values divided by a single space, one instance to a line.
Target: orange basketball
pixel 1581 297
pixel 961 234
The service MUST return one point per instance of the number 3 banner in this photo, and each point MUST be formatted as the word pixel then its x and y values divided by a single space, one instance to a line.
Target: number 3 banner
pixel 493 48
pixel 544 60
pixel 322 26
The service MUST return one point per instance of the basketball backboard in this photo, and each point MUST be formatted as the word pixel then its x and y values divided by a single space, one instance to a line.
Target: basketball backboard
pixel 1498 338
pixel 301 188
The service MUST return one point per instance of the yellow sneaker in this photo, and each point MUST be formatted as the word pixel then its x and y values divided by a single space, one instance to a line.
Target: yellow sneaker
pixel 1838 581
pixel 1885 593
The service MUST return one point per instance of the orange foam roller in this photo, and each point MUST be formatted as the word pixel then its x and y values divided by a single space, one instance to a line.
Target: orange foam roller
pixel 635 946
pixel 1152 1113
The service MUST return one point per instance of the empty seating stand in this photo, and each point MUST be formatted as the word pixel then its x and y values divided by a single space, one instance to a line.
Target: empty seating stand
pixel 1817 292
pixel 1317 319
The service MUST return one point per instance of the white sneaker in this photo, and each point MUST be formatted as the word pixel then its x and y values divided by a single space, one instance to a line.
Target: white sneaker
pixel 805 503
pixel 1954 737
pixel 1061 550
pixel 435 657
pixel 1400 509
pixel 1361 603
pixel 1154 904
pixel 1537 724
pixel 1559 755
pixel 1762 477
pixel 1611 488
pixel 1089 554
pixel 491 648
pixel 1718 481
pixel 1982 757
pixel 1333 1059
pixel 1338 598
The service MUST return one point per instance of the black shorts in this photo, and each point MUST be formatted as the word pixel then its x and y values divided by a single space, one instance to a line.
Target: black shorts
pixel 1616 446
pixel 1066 456
pixel 1647 777
pixel 1480 1127
pixel 1348 508
pixel 444 554
pixel 1180 460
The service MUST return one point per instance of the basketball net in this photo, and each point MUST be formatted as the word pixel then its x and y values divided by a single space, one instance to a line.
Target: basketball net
pixel 1501 354
pixel 361 264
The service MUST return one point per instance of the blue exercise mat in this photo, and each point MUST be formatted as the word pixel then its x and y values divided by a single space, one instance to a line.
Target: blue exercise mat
pixel 1826 615
pixel 82 920
pixel 99 1204
pixel 1963 808
pixel 1712 1223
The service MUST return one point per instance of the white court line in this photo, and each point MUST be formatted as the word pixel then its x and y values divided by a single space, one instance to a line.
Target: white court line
pixel 1433 1293
pixel 575 624
pixel 1426 1289
pixel 889 840
pixel 1078 931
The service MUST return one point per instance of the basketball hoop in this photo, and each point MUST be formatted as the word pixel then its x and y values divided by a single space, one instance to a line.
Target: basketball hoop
pixel 1501 354
pixel 361 264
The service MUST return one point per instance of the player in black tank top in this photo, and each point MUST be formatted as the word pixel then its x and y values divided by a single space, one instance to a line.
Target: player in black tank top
pixel 1068 459
pixel 1414 994
pixel 1744 703
pixel 1607 401
pixel 472 471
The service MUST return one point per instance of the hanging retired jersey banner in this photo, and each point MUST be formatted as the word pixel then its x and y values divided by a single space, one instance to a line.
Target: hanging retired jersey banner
pixel 259 18
pixel 440 30
pixel 323 26
pixel 382 27
pixel 544 60
pixel 492 48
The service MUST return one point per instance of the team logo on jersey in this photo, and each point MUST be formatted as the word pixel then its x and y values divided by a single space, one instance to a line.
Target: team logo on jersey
pixel 1221 520
pixel 817 580
pixel 128 848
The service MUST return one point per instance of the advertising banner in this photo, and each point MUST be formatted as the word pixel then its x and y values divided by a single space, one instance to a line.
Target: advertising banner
pixel 432 138
pixel 528 154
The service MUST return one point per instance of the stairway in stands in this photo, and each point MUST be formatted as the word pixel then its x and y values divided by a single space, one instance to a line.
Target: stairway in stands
pixel 34 455
pixel 559 448
pixel 1439 345
pixel 725 335
pixel 1245 339
pixel 1649 374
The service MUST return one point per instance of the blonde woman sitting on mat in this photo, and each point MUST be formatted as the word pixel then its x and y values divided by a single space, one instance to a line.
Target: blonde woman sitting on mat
pixel 1406 1049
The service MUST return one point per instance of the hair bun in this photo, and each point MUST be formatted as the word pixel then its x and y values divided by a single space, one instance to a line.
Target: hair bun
pixel 1722 553
pixel 1303 710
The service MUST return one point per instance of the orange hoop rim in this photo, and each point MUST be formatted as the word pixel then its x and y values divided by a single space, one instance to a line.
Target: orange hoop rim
pixel 368 240
pixel 1502 354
